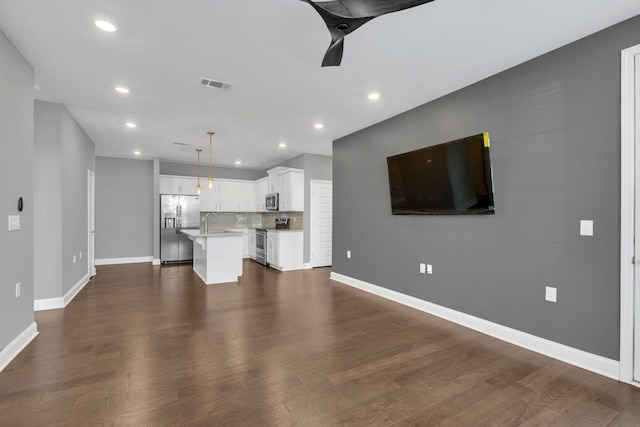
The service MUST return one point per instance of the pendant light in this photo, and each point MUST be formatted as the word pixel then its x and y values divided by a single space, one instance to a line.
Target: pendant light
pixel 210 164
pixel 198 186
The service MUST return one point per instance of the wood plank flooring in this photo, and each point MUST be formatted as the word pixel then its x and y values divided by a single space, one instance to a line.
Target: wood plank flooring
pixel 153 346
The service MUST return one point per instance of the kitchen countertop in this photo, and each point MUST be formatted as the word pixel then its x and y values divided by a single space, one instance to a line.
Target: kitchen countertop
pixel 281 230
pixel 196 233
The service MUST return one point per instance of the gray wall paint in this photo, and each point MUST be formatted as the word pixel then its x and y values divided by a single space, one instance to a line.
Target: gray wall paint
pixel 78 157
pixel 124 208
pixel 555 133
pixel 63 154
pixel 47 200
pixel 16 174
pixel 315 167
pixel 180 169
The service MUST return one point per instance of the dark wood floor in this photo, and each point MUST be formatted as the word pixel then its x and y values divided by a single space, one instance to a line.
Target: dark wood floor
pixel 154 346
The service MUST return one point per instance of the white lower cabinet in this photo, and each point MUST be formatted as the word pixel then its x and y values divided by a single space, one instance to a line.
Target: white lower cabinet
pixel 272 249
pixel 284 250
pixel 252 244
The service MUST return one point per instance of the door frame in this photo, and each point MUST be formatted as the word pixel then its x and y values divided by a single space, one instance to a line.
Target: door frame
pixel 627 214
pixel 312 208
pixel 91 255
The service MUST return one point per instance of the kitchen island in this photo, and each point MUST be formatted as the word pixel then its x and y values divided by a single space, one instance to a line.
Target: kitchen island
pixel 217 257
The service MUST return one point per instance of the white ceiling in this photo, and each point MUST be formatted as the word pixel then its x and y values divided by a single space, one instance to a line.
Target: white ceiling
pixel 271 50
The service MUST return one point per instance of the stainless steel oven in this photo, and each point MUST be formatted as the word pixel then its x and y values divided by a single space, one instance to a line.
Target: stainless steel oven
pixel 261 246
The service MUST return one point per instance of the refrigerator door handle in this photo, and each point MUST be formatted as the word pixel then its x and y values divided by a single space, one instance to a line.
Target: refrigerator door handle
pixel 178 219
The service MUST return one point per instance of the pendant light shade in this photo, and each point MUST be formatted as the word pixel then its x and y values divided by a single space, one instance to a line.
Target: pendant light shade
pixel 198 186
pixel 210 163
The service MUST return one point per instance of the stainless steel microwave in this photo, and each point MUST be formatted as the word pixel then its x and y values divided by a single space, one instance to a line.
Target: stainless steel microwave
pixel 271 202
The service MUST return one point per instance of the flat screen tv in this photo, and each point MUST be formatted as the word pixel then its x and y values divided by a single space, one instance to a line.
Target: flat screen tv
pixel 453 178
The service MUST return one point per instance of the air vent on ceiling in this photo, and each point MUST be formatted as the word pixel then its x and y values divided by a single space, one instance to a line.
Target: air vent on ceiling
pixel 183 144
pixel 215 84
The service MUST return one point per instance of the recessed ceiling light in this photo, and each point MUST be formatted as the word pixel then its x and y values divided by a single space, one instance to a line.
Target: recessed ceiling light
pixel 374 96
pixel 238 162
pixel 282 145
pixel 131 125
pixel 318 126
pixel 122 89
pixel 105 26
pixel 137 153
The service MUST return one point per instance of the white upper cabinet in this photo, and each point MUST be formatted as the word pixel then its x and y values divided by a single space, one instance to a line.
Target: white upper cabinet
pixel 274 179
pixel 232 195
pixel 210 198
pixel 238 196
pixel 228 195
pixel 247 197
pixel 178 185
pixel 262 189
pixel 292 191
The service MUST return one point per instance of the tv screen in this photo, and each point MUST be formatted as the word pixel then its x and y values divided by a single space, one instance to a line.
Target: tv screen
pixel 453 178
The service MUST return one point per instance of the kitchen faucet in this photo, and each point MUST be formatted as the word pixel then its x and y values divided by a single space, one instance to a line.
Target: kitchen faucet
pixel 206 221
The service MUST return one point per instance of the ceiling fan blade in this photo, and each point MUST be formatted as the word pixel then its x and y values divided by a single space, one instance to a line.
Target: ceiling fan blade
pixel 333 57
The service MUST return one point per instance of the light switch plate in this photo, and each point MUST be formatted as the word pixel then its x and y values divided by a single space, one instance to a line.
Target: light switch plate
pixel 423 268
pixel 18 289
pixel 551 294
pixel 14 222
pixel 348 254
pixel 586 227
pixel 429 269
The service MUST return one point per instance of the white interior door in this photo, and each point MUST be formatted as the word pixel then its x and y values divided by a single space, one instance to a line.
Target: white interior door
pixel 91 188
pixel 636 279
pixel 321 222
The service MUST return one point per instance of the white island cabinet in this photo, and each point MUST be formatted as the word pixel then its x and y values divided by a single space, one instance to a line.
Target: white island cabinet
pixel 217 257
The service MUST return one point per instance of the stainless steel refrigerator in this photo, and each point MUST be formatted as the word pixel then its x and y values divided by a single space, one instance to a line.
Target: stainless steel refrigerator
pixel 177 213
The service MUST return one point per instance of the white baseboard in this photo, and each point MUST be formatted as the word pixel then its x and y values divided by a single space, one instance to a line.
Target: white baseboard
pixel 17 345
pixel 156 261
pixel 591 362
pixel 61 302
pixel 307 266
pixel 71 293
pixel 134 260
pixel 48 304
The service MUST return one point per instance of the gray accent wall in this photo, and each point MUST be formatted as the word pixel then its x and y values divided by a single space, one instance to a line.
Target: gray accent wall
pixel 124 208
pixel 63 155
pixel 554 124
pixel 16 174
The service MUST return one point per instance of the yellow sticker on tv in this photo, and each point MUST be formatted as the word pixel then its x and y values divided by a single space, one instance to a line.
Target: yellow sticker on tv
pixel 486 139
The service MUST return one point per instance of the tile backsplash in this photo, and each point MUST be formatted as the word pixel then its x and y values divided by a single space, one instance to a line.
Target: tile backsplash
pixel 227 220
pixel 296 222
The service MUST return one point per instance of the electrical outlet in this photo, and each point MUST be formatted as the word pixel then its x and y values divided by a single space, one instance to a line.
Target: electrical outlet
pixel 18 289
pixel 423 268
pixel 74 259
pixel 429 269
pixel 551 294
pixel 348 254
pixel 586 227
